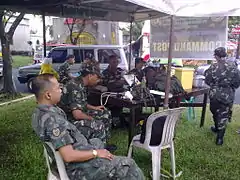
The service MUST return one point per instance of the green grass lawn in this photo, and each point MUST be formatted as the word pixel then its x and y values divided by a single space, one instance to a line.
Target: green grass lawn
pixel 197 156
pixel 19 61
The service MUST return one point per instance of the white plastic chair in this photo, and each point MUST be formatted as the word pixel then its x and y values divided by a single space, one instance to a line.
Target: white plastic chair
pixel 56 167
pixel 172 116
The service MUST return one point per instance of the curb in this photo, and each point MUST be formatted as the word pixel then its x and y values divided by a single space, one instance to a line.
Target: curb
pixel 17 100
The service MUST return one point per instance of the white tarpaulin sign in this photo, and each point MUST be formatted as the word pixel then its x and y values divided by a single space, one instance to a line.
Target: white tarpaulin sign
pixel 193 38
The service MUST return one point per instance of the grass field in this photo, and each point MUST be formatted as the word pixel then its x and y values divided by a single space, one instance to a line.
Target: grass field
pixel 197 156
pixel 19 61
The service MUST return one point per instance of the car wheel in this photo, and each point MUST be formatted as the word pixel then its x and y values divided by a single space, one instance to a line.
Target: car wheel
pixel 29 85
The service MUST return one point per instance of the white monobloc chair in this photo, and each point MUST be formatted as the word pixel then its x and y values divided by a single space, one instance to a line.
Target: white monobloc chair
pixel 56 167
pixel 172 116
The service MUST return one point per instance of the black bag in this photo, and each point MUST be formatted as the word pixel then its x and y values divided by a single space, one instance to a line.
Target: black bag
pixel 157 130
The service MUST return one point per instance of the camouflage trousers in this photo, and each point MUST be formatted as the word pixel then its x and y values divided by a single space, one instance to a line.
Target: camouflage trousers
pixel 99 127
pixel 92 129
pixel 104 117
pixel 103 169
pixel 222 113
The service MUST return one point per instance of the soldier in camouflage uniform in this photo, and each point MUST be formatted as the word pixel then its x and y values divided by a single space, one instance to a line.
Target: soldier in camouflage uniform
pixel 84 159
pixel 64 70
pixel 114 81
pixel 92 121
pixel 138 71
pixel 223 77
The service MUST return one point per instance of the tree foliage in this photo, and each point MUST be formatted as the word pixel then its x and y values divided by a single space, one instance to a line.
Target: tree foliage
pixel 77 24
pixel 136 30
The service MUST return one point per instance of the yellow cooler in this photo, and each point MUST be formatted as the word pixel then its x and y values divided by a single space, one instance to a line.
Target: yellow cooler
pixel 185 75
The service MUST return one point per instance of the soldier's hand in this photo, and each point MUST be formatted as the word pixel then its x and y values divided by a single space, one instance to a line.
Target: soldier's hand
pixel 103 153
pixel 99 108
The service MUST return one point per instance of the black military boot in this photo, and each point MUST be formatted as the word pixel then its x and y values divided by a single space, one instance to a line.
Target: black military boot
pixel 220 135
pixel 214 128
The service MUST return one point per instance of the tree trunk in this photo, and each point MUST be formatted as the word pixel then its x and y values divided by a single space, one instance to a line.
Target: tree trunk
pixel 8 84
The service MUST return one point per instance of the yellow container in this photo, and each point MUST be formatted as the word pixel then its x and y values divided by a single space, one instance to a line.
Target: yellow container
pixel 185 75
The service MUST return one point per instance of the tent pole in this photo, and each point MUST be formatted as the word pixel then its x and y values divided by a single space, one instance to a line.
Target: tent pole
pixel 44 35
pixel 168 79
pixel 238 47
pixel 130 44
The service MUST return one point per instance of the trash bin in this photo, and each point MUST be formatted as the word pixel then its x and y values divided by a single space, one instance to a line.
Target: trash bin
pixel 185 76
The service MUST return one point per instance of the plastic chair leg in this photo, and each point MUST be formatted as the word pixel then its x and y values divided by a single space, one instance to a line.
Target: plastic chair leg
pixel 130 150
pixel 156 165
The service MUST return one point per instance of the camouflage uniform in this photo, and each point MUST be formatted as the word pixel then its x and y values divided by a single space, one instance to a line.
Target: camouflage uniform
pixel 110 80
pixel 63 72
pixel 112 77
pixel 223 78
pixel 138 73
pixel 50 124
pixel 74 96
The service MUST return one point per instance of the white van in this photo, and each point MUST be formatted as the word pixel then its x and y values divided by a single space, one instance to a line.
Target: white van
pixel 100 53
pixel 58 54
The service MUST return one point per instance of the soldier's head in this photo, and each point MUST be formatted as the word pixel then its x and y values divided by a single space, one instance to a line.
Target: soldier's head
pixel 139 63
pixel 113 61
pixel 90 76
pixel 46 89
pixel 220 53
pixel 70 59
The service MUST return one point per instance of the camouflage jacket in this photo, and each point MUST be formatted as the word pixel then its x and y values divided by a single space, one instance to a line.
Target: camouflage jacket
pixel 111 77
pixel 63 72
pixel 223 78
pixel 138 73
pixel 74 96
pixel 50 124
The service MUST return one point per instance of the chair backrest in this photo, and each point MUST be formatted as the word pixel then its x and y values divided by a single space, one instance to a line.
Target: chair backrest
pixel 54 162
pixel 172 116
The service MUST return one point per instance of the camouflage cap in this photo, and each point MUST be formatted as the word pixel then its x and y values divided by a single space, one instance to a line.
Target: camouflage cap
pixel 220 52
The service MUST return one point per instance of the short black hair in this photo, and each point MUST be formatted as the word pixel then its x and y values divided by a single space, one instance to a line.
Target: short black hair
pixel 40 83
pixel 70 56
pixel 112 57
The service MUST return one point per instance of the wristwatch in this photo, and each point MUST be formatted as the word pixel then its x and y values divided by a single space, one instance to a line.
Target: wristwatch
pixel 94 153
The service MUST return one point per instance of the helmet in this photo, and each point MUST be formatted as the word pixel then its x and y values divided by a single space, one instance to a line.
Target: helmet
pixel 220 52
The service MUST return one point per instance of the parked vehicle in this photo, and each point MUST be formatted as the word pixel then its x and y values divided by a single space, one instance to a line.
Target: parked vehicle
pixel 100 53
pixel 39 54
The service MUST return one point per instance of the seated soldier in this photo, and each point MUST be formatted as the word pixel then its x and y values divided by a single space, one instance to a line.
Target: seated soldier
pixel 64 70
pixel 92 121
pixel 114 81
pixel 84 159
pixel 138 70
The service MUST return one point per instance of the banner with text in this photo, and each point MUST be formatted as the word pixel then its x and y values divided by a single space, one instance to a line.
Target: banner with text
pixel 193 38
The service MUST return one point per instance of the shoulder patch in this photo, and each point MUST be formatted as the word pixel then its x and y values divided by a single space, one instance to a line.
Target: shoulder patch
pixel 56 132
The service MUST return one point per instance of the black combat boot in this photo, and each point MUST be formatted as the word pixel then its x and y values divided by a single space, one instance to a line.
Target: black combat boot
pixel 220 135
pixel 214 128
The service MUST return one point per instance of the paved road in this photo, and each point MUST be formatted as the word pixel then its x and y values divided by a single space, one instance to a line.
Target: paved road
pixel 23 88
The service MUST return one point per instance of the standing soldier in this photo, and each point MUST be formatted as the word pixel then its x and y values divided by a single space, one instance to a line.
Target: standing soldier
pixel 64 70
pixel 223 77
